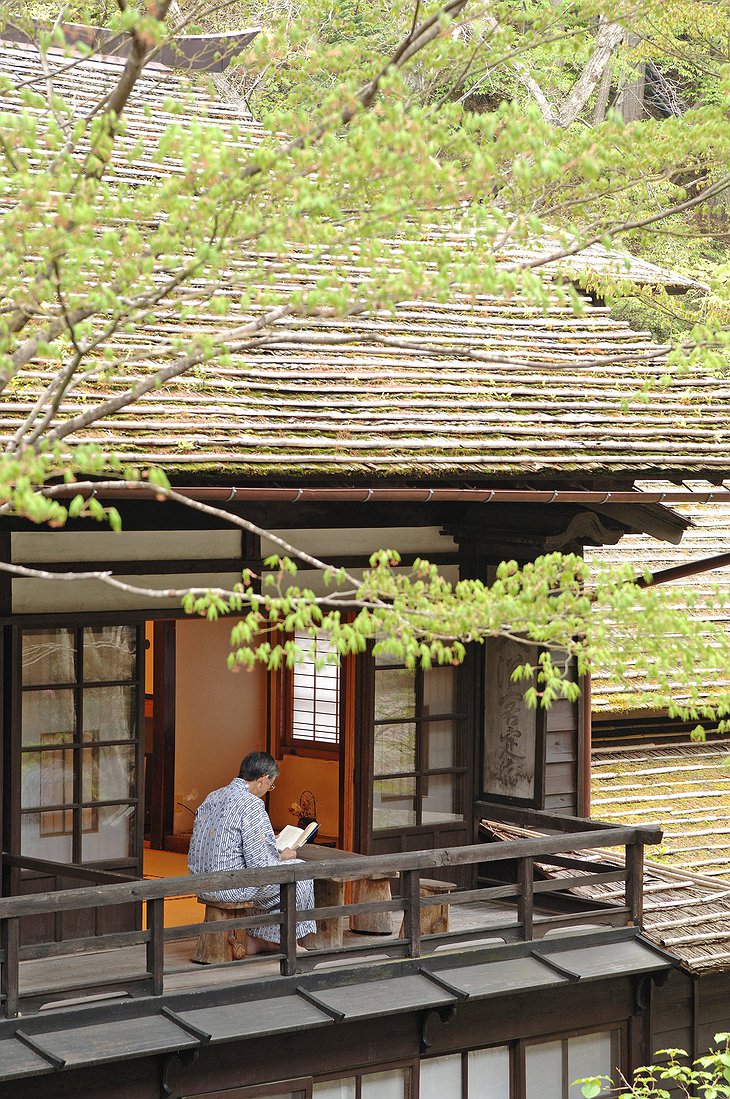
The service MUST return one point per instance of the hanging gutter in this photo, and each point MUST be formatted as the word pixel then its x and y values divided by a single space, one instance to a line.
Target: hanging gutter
pixel 230 494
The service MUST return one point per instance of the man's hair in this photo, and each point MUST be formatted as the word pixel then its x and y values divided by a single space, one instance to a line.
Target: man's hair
pixel 257 765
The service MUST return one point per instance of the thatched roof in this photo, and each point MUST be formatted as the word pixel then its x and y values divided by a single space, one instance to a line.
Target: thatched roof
pixel 683 787
pixel 476 388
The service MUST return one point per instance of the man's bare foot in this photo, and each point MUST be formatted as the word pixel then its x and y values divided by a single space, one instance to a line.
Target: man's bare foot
pixel 261 946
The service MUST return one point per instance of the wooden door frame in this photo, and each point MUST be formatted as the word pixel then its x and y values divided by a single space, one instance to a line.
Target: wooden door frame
pixel 162 786
pixel 349 797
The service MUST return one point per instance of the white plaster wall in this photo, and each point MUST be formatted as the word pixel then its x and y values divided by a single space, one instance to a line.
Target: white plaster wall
pixel 220 715
pixel 362 540
pixel 56 596
pixel 124 545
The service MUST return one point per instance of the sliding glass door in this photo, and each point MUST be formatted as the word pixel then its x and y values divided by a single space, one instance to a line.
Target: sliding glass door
pixel 79 744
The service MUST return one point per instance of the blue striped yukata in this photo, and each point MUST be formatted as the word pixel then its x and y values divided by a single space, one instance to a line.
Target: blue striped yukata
pixel 232 831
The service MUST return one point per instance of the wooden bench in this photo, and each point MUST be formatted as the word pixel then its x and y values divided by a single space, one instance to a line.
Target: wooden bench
pixel 435 917
pixel 223 946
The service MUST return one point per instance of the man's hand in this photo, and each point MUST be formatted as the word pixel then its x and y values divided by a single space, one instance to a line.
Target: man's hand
pixel 287 853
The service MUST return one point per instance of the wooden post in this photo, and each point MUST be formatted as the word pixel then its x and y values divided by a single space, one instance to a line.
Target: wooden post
pixel 162 763
pixel 156 944
pixel 635 882
pixel 10 943
pixel 288 928
pixel 525 903
pixel 411 885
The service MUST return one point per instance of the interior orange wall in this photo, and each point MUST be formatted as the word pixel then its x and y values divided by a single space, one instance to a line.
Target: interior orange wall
pixel 318 775
pixel 220 715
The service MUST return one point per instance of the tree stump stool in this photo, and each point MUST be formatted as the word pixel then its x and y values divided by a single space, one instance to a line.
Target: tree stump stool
pixel 435 918
pixel 374 888
pixel 328 893
pixel 223 946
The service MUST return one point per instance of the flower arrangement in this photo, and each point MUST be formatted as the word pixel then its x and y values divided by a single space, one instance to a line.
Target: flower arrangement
pixel 304 809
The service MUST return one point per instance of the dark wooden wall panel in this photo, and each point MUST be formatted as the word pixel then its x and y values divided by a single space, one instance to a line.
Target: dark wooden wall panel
pixel 562 715
pixel 714 1008
pixel 560 745
pixel 560 778
pixel 560 803
pixel 671 1014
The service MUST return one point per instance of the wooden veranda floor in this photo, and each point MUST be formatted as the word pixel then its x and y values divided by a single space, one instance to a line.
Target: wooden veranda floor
pixel 58 977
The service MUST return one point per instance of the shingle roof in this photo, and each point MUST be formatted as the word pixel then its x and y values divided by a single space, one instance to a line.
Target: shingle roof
pixel 683 914
pixel 474 388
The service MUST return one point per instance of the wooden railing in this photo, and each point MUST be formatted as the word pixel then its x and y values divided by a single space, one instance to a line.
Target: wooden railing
pixel 524 895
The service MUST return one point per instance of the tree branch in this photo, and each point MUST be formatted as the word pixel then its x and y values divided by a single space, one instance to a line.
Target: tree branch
pixel 626 226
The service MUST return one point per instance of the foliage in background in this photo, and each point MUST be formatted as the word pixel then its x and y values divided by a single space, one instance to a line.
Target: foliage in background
pixel 707 1077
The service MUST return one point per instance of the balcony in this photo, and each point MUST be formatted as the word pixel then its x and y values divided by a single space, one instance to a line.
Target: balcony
pixel 514 903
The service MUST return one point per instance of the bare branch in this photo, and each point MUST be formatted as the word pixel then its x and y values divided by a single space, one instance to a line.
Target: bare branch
pixel 105 577
pixel 626 226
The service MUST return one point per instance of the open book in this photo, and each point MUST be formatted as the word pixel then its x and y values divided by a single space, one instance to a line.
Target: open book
pixel 294 837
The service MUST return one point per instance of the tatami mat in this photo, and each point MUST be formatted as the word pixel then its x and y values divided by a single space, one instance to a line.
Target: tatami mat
pixel 179 911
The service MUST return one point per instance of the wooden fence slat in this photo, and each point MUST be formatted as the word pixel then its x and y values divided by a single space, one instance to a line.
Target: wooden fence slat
pixel 289 928
pixel 9 976
pixel 411 891
pixel 156 945
pixel 635 881
pixel 525 880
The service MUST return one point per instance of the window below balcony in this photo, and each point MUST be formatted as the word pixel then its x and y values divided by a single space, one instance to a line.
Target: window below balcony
pixel 523 1070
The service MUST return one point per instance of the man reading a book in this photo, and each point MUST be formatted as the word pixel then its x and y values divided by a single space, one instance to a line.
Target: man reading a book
pixel 232 831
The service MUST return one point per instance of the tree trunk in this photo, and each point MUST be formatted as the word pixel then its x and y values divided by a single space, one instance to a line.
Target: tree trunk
pixel 630 100
pixel 604 89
